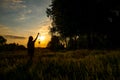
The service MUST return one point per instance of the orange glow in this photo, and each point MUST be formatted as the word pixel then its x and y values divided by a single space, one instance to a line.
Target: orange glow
pixel 42 41
pixel 41 38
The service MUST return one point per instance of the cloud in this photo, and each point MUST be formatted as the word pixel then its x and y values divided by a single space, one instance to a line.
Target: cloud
pixel 4 29
pixel 12 4
pixel 15 37
pixel 43 28
pixel 21 18
pixel 17 1
pixel 24 15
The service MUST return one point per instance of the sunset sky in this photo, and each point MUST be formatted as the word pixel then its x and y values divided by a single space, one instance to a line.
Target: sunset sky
pixel 21 18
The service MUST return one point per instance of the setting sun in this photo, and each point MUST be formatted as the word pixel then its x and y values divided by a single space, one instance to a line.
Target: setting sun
pixel 41 38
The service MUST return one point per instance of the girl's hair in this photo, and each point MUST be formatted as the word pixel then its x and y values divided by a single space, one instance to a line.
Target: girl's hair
pixel 30 38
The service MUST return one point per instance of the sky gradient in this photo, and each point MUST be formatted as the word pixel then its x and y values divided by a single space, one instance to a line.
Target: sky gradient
pixel 21 18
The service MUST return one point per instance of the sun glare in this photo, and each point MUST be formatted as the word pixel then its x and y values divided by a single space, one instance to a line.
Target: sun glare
pixel 41 38
pixel 42 41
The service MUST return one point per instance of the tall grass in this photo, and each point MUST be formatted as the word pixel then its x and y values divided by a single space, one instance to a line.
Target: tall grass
pixel 69 65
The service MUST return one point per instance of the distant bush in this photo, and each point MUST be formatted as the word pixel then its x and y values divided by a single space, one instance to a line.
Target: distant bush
pixel 12 47
pixel 55 44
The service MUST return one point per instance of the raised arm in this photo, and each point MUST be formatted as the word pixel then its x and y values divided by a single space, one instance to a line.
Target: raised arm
pixel 36 37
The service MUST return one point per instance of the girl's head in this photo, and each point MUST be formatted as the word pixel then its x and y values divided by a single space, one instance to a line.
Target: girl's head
pixel 30 38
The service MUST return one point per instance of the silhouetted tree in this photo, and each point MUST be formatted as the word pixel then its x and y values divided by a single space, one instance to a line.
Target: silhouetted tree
pixel 97 19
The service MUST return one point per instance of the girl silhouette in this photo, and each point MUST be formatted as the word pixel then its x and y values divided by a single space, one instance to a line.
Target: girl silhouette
pixel 30 46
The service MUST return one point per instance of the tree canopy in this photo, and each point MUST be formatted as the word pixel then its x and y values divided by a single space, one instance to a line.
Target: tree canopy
pixel 98 19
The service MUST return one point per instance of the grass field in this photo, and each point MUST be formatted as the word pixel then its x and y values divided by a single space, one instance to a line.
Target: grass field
pixel 62 65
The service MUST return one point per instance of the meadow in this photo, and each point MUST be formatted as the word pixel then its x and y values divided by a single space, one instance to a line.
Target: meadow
pixel 63 65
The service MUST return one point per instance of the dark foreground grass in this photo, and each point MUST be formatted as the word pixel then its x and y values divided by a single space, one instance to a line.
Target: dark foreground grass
pixel 70 65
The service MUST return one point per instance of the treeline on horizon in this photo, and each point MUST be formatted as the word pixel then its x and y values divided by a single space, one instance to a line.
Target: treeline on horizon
pixel 90 24
pixel 9 47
